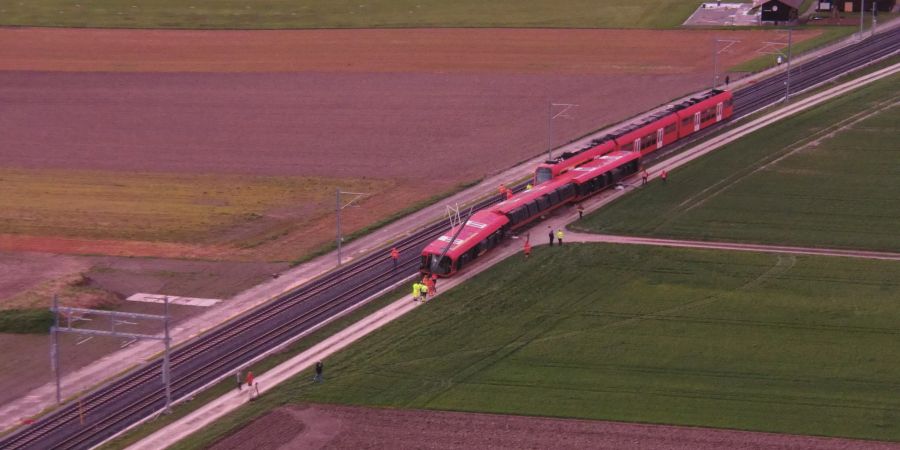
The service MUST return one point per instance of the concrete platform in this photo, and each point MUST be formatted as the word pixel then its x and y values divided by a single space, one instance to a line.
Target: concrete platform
pixel 717 14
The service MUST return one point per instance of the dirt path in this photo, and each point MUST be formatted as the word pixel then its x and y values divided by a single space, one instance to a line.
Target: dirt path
pixel 333 426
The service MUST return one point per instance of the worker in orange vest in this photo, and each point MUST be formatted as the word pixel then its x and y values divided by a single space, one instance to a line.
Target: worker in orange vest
pixel 433 287
pixel 395 256
pixel 249 379
pixel 527 249
pixel 502 189
pixel 429 284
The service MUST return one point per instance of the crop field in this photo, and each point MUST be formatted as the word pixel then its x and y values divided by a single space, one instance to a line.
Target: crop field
pixel 784 344
pixel 159 207
pixel 268 14
pixel 829 177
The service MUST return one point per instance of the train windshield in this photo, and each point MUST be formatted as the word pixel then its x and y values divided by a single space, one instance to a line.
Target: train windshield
pixel 432 265
pixel 542 174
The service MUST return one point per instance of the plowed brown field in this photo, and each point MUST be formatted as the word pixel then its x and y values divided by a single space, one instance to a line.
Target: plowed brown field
pixel 428 109
pixel 331 426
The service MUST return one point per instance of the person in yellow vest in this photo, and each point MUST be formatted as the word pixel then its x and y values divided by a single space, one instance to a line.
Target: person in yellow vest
pixel 528 187
pixel 423 289
pixel 417 290
pixel 559 236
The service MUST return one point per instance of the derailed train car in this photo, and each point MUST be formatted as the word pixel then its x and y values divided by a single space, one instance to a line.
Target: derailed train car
pixel 574 176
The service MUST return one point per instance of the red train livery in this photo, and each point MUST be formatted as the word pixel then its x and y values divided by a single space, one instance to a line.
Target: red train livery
pixel 572 177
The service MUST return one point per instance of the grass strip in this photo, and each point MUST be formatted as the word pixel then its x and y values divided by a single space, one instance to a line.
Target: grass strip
pixel 287 14
pixel 26 321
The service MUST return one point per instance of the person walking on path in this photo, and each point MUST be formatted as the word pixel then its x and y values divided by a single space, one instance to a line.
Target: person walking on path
pixel 237 376
pixel 417 290
pixel 527 249
pixel 319 369
pixel 580 210
pixel 550 233
pixel 559 236
pixel 250 381
pixel 395 256
pixel 423 290
pixel 433 287
pixel 664 175
pixel 644 176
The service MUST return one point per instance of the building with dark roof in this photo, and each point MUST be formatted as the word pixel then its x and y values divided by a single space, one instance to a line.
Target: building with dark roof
pixel 780 10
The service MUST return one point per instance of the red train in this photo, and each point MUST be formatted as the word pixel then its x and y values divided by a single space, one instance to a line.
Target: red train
pixel 572 177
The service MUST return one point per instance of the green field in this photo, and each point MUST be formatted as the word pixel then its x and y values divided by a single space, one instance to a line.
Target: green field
pixel 160 207
pixel 819 179
pixel 267 14
pixel 749 341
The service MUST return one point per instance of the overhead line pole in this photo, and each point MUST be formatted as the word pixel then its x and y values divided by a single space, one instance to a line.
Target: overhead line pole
pixel 862 13
pixel 338 208
pixel 787 83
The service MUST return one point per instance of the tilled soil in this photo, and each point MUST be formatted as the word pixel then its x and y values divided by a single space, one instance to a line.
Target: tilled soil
pixel 337 427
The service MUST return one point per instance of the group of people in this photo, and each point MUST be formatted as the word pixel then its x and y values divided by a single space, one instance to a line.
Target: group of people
pixel 421 289
pixel 663 175
pixel 558 235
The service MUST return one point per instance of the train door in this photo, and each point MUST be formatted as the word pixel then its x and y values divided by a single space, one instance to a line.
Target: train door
pixel 719 112
pixel 697 121
pixel 659 138
pixel 637 144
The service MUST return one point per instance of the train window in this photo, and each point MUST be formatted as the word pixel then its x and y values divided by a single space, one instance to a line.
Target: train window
pixel 648 141
pixel 553 197
pixel 564 192
pixel 533 209
pixel 463 260
pixel 670 129
pixel 543 202
pixel 628 147
pixel 542 174
pixel 686 121
pixel 517 215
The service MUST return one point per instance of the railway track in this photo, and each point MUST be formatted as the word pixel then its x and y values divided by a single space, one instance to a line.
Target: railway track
pixel 139 393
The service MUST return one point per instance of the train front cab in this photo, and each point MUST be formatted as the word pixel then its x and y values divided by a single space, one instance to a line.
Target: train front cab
pixel 430 263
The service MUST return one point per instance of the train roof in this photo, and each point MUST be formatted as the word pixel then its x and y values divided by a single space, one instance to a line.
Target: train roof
pixel 640 126
pixel 695 100
pixel 600 165
pixel 594 143
pixel 480 225
pixel 528 196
